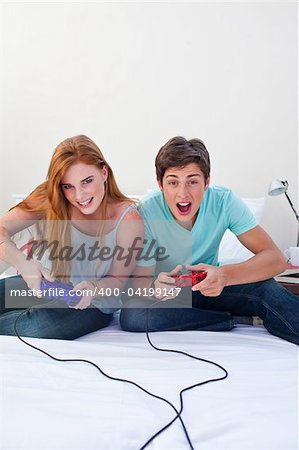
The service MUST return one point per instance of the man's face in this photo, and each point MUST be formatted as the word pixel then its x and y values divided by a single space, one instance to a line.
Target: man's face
pixel 183 189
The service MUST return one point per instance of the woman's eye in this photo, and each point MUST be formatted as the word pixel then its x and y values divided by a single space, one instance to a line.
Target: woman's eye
pixel 88 181
pixel 66 186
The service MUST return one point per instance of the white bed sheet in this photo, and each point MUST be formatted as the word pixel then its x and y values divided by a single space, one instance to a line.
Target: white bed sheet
pixel 53 405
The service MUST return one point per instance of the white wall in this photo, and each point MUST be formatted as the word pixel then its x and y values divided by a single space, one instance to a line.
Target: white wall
pixel 132 75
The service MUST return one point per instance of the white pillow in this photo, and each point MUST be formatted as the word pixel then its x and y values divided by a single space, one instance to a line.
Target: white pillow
pixel 231 250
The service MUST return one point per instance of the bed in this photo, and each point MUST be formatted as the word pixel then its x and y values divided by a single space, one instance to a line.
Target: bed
pixel 57 405
pixel 70 405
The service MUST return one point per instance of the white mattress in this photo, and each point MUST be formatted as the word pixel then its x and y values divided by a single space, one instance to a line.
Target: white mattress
pixel 53 405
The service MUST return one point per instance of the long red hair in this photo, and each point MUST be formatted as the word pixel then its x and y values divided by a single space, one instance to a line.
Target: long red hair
pixel 50 204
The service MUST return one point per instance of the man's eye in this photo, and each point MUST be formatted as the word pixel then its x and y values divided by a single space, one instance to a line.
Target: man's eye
pixel 193 182
pixel 172 183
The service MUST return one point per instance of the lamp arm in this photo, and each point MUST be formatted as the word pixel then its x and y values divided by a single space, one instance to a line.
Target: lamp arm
pixel 292 206
pixel 296 214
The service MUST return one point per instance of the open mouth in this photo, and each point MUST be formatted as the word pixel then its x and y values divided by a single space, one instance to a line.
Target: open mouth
pixel 85 203
pixel 184 207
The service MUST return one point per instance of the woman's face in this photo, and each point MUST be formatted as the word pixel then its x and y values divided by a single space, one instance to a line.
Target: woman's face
pixel 83 186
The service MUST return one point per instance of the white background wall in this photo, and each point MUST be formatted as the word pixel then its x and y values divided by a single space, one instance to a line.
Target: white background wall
pixel 132 75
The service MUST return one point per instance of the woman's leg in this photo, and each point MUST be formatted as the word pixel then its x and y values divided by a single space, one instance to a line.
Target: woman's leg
pixel 48 320
pixel 53 323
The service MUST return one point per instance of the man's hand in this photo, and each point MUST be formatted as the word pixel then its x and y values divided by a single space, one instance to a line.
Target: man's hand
pixel 213 284
pixel 165 282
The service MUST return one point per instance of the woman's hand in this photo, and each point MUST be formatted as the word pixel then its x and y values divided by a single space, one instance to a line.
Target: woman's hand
pixel 88 289
pixel 32 273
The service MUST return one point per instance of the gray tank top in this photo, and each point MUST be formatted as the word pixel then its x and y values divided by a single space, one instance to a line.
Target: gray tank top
pixel 89 266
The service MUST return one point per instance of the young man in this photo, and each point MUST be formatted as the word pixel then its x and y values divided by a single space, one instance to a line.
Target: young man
pixel 187 218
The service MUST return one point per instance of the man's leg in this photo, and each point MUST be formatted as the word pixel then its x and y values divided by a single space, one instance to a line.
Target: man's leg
pixel 140 315
pixel 278 307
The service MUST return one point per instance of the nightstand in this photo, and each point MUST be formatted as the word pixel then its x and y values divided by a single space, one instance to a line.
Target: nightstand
pixel 290 279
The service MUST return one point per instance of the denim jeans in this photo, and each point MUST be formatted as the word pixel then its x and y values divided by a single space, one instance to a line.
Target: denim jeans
pixel 278 308
pixel 52 321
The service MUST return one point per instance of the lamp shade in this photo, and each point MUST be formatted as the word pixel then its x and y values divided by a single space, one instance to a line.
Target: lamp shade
pixel 278 187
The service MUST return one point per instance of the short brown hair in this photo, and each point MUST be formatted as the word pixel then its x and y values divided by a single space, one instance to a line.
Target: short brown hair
pixel 178 152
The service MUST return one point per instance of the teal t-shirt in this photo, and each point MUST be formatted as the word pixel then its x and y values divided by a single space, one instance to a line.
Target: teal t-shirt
pixel 220 210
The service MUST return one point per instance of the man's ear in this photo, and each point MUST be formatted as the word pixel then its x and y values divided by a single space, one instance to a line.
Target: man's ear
pixel 160 185
pixel 207 183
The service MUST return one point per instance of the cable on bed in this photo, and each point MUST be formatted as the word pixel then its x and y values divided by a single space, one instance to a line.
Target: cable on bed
pixel 178 413
pixel 188 387
pixel 107 376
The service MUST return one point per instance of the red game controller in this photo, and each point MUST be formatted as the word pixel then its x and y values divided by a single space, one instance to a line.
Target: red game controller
pixel 190 279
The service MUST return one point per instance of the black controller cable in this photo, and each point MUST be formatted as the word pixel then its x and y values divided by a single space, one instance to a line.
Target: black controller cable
pixel 101 371
pixel 188 387
pixel 178 413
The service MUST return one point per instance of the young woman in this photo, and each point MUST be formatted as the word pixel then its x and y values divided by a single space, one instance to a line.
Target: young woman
pixel 81 217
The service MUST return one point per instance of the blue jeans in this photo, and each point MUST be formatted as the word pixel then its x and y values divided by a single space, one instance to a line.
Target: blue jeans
pixel 278 308
pixel 46 322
